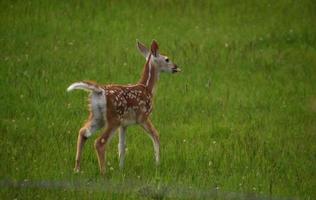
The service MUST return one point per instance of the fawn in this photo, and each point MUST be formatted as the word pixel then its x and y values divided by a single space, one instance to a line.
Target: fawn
pixel 118 106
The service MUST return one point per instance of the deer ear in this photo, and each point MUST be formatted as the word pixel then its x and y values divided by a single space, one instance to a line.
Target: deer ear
pixel 142 49
pixel 154 48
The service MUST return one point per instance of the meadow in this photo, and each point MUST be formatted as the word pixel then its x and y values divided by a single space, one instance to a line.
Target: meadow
pixel 239 122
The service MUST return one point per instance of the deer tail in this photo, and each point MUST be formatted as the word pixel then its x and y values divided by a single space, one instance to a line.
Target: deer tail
pixel 85 85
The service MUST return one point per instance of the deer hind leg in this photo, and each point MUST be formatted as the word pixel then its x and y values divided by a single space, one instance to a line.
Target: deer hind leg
pixel 122 145
pixel 100 145
pixel 85 132
pixel 153 134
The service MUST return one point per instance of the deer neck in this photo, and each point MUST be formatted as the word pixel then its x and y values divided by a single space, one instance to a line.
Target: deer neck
pixel 150 75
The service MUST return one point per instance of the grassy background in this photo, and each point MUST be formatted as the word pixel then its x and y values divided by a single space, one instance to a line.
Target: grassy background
pixel 241 117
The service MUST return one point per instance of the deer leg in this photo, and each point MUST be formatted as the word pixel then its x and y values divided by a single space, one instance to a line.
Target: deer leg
pixel 100 144
pixel 153 134
pixel 80 143
pixel 85 132
pixel 121 146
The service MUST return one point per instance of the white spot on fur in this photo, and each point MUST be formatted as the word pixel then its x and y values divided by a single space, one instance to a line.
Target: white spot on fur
pixel 87 133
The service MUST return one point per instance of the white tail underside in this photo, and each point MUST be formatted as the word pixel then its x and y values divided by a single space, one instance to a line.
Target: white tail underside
pixel 84 86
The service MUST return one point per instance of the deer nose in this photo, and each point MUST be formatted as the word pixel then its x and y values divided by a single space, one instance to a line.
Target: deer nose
pixel 176 69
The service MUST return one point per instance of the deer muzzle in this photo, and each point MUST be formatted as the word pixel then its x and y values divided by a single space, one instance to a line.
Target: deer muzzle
pixel 176 69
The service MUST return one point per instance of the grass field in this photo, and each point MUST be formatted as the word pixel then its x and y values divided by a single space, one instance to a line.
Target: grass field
pixel 239 122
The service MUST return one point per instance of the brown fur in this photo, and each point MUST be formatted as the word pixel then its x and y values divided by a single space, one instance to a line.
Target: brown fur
pixel 125 105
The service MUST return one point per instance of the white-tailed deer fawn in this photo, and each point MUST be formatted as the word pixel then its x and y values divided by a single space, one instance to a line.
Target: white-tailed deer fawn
pixel 118 106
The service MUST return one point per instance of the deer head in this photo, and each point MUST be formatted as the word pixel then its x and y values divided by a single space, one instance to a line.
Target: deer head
pixel 161 62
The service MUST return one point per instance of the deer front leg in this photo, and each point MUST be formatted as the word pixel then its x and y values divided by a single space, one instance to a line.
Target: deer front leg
pixel 153 134
pixel 122 145
pixel 100 144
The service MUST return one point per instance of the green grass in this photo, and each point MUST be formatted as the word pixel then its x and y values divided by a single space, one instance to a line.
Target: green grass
pixel 240 119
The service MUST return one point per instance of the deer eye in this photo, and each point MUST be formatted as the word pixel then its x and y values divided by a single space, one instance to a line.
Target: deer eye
pixel 167 59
